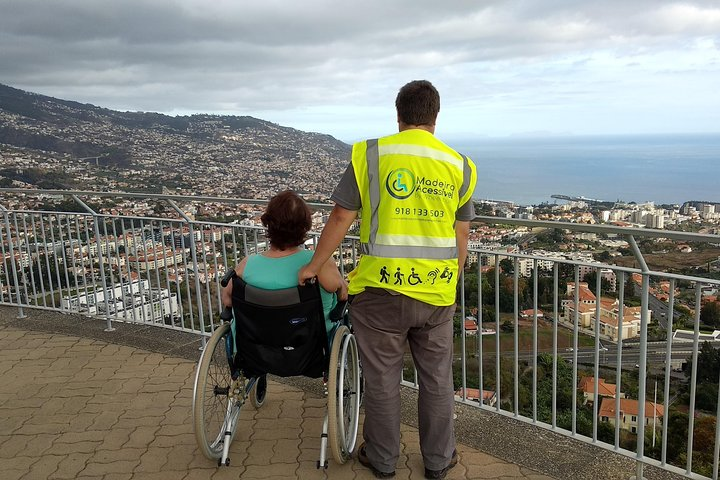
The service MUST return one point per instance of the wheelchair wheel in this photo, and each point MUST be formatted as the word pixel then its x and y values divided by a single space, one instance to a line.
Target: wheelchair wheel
pixel 215 407
pixel 259 391
pixel 343 394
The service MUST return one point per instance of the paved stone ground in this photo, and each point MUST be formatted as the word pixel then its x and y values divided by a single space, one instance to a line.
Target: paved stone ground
pixel 83 408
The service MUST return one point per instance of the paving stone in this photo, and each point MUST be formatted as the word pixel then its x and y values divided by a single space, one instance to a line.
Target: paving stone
pixel 246 428
pixel 105 420
pixel 71 465
pixel 13 424
pixel 164 475
pixel 153 460
pixel 310 449
pixel 169 441
pixel 116 438
pixel 269 410
pixel 260 452
pixel 14 445
pixel 273 471
pixel 177 416
pixel 200 474
pixel 121 466
pixel 14 474
pixel 45 466
pixel 308 469
pixel 173 430
pixel 18 463
pixel 276 428
pixel 179 457
pixel 118 476
pixel 49 428
pixel 122 454
pixel 141 437
pixel 286 450
pixel 150 411
pixel 39 444
pixel 494 470
pixel 75 447
pixel 140 421
pixel 231 473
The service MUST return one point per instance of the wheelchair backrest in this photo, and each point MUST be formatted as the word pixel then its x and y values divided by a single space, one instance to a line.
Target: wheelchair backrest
pixel 281 332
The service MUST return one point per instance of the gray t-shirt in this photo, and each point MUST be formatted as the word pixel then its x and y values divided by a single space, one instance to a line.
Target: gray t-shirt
pixel 347 195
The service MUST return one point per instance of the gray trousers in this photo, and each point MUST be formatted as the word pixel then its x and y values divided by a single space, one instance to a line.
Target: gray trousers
pixel 384 324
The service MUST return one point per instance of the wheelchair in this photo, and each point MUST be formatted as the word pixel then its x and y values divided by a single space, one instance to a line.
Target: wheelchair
pixel 278 332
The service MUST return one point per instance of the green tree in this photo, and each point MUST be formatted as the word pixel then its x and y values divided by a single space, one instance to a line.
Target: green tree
pixel 556 235
pixel 507 266
pixel 603 256
pixel 706 397
pixel 708 364
pixel 591 279
pixel 676 436
pixel 710 314
pixel 507 327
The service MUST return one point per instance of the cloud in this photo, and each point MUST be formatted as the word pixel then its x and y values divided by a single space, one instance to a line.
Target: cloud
pixel 320 55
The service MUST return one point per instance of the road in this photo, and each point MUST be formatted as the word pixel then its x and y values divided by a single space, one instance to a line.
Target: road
pixel 608 354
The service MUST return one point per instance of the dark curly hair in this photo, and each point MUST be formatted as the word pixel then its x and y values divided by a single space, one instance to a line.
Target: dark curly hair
pixel 287 219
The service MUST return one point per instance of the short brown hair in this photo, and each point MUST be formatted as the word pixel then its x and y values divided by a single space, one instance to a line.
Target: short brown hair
pixel 418 103
pixel 287 219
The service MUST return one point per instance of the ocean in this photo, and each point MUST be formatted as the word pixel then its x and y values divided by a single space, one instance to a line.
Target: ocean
pixel 665 169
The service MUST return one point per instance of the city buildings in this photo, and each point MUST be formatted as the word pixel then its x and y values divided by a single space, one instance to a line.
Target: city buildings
pixel 133 301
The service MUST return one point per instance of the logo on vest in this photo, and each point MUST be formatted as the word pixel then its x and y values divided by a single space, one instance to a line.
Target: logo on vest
pixel 400 183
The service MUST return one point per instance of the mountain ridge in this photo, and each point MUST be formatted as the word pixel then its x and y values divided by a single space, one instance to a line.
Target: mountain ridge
pixel 174 149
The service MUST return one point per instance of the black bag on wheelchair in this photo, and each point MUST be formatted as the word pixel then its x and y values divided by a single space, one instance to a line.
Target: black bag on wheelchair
pixel 281 332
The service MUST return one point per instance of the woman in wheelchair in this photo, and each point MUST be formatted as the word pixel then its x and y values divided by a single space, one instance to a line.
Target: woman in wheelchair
pixel 288 220
pixel 277 327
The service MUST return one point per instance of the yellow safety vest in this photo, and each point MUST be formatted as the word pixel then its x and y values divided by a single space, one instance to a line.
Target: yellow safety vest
pixel 411 185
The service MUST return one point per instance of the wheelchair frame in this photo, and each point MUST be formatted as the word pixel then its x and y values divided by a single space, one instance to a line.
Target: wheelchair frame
pixel 219 395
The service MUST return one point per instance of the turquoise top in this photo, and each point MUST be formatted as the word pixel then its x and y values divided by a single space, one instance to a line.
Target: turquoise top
pixel 282 272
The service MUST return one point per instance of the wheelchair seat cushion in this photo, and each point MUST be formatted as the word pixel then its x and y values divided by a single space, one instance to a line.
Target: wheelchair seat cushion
pixel 281 332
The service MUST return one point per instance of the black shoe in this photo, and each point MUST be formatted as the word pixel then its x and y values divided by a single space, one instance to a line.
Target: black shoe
pixel 440 474
pixel 365 462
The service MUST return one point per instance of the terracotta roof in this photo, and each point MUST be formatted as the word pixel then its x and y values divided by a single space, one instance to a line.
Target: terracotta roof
pixel 583 308
pixel 474 393
pixel 585 294
pixel 587 385
pixel 629 406
pixel 609 303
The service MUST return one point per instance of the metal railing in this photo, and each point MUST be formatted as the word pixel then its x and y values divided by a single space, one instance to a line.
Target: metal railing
pixel 539 346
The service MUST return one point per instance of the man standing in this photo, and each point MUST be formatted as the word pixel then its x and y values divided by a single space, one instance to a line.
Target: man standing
pixel 413 193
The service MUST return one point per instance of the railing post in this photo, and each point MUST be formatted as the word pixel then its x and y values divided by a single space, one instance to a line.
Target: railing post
pixel 11 252
pixel 642 374
pixel 96 229
pixel 193 254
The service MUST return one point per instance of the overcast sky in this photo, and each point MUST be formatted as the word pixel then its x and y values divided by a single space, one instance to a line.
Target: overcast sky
pixel 502 67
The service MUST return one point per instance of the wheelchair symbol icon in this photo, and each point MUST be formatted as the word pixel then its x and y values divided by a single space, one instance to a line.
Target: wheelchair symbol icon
pixel 399 185
pixel 414 278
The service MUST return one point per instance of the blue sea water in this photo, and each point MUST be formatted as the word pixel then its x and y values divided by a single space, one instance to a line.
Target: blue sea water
pixel 666 169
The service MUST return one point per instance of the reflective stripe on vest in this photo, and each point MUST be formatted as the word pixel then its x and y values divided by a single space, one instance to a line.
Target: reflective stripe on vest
pixel 407 246
pixel 467 173
pixel 373 163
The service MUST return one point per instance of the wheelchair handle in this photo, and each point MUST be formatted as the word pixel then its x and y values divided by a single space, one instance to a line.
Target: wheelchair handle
pixel 337 313
pixel 227 314
pixel 228 276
